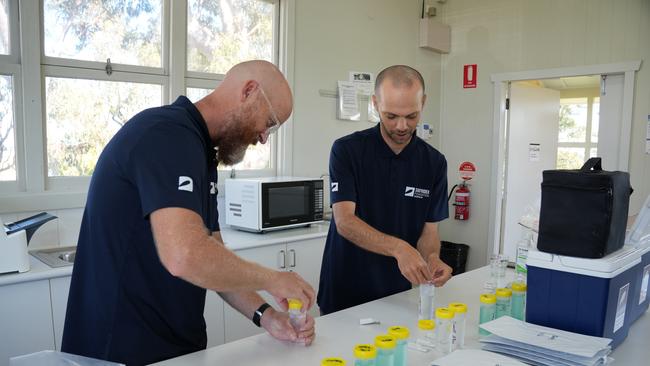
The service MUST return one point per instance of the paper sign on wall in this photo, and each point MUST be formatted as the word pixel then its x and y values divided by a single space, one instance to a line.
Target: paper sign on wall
pixel 348 103
pixel 364 81
pixel 533 152
pixel 469 76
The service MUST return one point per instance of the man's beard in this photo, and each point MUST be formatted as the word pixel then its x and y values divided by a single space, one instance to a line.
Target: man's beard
pixel 238 135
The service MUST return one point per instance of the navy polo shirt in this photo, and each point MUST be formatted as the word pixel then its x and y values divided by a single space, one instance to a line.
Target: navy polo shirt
pixel 395 194
pixel 123 305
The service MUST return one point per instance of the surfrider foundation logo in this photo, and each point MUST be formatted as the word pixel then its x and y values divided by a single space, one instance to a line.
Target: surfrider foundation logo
pixel 335 186
pixel 416 192
pixel 185 184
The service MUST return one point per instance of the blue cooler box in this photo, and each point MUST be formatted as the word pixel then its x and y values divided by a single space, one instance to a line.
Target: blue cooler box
pixel 586 296
pixel 641 294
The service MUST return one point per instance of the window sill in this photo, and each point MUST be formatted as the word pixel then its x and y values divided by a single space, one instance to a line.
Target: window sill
pixel 43 201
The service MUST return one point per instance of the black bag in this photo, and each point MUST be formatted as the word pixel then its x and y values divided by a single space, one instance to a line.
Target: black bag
pixel 583 212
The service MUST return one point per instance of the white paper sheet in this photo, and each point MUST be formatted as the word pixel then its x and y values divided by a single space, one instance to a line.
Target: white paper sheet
pixel 475 357
pixel 364 82
pixel 348 106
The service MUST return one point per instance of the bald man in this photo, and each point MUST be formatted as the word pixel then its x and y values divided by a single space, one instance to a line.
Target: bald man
pixel 388 193
pixel 150 246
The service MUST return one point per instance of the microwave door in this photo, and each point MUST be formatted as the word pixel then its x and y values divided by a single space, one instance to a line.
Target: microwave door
pixel 286 203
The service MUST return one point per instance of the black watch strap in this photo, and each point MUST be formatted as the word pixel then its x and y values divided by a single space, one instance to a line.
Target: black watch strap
pixel 257 315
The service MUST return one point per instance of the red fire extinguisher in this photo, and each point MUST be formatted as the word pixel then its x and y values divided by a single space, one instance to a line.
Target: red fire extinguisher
pixel 461 202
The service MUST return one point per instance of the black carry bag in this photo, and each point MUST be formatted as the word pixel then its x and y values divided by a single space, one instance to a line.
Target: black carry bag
pixel 583 212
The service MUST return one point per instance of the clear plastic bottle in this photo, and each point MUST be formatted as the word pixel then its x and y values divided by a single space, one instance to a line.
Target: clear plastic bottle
pixel 365 355
pixel 426 336
pixel 522 255
pixel 487 312
pixel 385 350
pixel 427 304
pixel 518 304
pixel 444 318
pixel 297 317
pixel 332 361
pixel 504 297
pixel 458 324
pixel 401 335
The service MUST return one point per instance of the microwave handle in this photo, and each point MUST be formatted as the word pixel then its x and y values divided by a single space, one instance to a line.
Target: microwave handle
pixel 281 260
pixel 292 258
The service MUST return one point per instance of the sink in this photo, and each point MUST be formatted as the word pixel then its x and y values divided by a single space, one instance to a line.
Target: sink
pixel 56 257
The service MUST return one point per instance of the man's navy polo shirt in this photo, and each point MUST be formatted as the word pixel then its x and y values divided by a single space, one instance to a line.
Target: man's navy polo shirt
pixel 123 305
pixel 395 194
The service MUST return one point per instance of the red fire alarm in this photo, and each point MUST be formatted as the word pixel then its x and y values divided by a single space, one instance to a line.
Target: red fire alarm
pixel 469 76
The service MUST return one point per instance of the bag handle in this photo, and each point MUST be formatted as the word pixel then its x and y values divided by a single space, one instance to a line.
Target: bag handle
pixel 592 163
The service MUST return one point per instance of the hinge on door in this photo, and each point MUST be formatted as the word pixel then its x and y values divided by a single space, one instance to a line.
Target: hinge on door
pixel 507 103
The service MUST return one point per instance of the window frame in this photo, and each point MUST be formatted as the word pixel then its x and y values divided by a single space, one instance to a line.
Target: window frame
pixel 587 144
pixel 29 67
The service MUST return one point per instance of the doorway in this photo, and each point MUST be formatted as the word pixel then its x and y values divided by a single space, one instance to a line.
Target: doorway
pixel 548 119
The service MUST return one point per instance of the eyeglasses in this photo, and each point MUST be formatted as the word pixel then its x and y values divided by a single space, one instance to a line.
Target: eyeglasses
pixel 274 124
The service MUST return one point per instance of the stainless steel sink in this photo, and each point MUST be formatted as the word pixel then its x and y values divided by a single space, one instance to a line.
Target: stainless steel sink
pixel 56 257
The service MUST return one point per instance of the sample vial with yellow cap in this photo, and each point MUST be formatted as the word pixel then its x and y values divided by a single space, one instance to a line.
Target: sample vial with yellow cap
pixel 458 324
pixel 504 296
pixel 332 361
pixel 518 304
pixel 385 350
pixel 444 318
pixel 427 330
pixel 488 311
pixel 365 355
pixel 401 334
pixel 296 317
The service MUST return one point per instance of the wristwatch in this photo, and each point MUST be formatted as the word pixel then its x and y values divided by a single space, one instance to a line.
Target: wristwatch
pixel 257 315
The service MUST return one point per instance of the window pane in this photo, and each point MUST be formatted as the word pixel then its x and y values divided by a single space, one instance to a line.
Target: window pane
pixel 593 152
pixel 595 119
pixel 221 34
pixel 4 27
pixel 127 32
pixel 196 94
pixel 573 120
pixel 82 116
pixel 570 157
pixel 7 135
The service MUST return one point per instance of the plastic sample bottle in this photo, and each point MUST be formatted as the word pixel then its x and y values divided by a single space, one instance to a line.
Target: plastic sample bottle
pixel 427 305
pixel 296 317
pixel 522 255
pixel 518 304
pixel 385 350
pixel 426 336
pixel 458 324
pixel 504 297
pixel 444 332
pixel 401 335
pixel 332 361
pixel 365 355
pixel 487 312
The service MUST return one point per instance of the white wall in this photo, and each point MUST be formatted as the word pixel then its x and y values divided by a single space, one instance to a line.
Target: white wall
pixel 63 231
pixel 514 35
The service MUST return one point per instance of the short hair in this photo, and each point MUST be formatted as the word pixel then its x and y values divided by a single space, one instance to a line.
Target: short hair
pixel 399 75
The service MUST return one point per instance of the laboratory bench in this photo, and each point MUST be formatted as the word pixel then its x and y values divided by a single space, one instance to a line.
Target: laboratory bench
pixel 338 333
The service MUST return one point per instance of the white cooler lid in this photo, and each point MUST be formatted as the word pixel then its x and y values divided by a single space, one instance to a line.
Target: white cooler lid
pixel 609 266
pixel 639 234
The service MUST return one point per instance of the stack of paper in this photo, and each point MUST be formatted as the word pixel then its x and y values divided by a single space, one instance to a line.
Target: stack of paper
pixel 537 345
pixel 475 357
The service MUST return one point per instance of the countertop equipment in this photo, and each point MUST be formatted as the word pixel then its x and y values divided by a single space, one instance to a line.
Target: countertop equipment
pixel 14 240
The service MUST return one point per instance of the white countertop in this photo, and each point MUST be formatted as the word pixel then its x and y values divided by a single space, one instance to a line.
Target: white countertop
pixel 337 333
pixel 234 240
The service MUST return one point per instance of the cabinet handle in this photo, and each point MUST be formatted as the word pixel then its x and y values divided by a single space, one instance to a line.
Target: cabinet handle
pixel 281 260
pixel 292 258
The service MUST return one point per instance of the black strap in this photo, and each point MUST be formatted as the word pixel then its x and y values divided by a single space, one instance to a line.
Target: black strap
pixel 257 315
pixel 592 163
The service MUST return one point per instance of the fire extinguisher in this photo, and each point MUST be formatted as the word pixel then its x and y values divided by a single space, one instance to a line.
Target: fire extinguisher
pixel 461 201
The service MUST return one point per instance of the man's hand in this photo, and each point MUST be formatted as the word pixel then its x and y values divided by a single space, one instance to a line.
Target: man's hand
pixel 411 264
pixel 289 285
pixel 441 271
pixel 278 326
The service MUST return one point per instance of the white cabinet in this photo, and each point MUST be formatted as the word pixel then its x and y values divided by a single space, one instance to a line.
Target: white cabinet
pixel 25 319
pixel 304 257
pixel 213 314
pixel 59 288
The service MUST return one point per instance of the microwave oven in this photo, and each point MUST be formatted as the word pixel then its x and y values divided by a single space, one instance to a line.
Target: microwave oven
pixel 272 203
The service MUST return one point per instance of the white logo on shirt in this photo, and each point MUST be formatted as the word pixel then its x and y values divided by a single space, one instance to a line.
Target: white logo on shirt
pixel 416 192
pixel 410 191
pixel 185 184
pixel 213 188
pixel 335 186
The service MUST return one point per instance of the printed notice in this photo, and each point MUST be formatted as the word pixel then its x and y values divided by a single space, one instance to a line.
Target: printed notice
pixel 533 152
pixel 621 307
pixel 364 82
pixel 348 101
pixel 644 284
pixel 647 137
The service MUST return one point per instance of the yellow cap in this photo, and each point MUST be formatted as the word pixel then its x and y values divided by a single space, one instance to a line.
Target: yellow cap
pixel 519 286
pixel 488 299
pixel 399 332
pixel 385 342
pixel 444 313
pixel 295 304
pixel 504 292
pixel 365 352
pixel 426 324
pixel 458 307
pixel 332 361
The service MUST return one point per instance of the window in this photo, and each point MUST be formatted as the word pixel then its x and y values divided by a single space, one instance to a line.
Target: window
pixel 7 135
pixel 578 132
pixel 4 29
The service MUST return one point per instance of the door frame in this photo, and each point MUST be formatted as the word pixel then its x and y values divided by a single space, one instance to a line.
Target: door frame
pixel 501 80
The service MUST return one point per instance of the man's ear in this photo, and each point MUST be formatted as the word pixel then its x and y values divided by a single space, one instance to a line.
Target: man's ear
pixel 374 102
pixel 247 90
pixel 424 99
